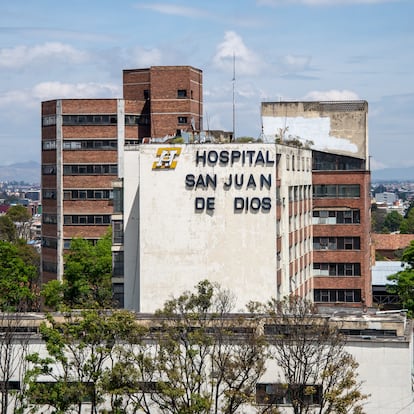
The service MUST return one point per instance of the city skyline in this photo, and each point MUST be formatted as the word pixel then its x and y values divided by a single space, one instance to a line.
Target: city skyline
pixel 282 50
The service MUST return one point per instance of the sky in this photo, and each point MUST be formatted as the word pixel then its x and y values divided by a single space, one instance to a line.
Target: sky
pixel 282 50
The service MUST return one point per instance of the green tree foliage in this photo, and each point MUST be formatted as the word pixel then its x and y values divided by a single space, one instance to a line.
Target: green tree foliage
pixel 193 356
pixel 407 225
pixel 19 215
pixel 80 347
pixel 393 221
pixel 402 283
pixel 377 218
pixel 87 276
pixel 7 229
pixel 197 340
pixel 315 366
pixel 17 279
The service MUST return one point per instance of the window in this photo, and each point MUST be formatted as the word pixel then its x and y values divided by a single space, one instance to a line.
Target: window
pixel 136 120
pixel 49 242
pixel 10 385
pixel 337 269
pixel 86 220
pixel 118 264
pixel 49 218
pixel 48 120
pixel 336 191
pixel 49 267
pixel 283 394
pixel 117 232
pixel 182 119
pixel 100 194
pixel 90 169
pixel 49 145
pixel 49 169
pixel 348 190
pixel 370 332
pixel 336 217
pixel 332 162
pixel 96 119
pixel 91 144
pixel 49 194
pixel 118 294
pixel 118 200
pixel 182 93
pixel 336 243
pixel 337 295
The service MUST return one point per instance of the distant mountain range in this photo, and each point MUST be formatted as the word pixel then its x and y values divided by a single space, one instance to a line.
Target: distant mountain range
pixel 29 172
pixel 393 174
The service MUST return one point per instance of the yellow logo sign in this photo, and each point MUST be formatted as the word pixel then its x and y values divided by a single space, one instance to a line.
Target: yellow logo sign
pixel 166 158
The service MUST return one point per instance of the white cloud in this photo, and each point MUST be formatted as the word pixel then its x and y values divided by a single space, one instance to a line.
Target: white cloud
pixel 9 98
pixel 56 90
pixel 142 57
pixel 21 56
pixel 172 9
pixel 292 63
pixel 332 95
pixel 320 2
pixel 246 61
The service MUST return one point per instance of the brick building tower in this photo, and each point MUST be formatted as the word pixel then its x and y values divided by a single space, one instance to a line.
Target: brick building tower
pixel 83 143
pixel 337 132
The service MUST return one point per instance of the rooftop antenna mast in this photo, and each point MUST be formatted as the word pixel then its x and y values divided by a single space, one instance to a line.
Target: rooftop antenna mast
pixel 234 97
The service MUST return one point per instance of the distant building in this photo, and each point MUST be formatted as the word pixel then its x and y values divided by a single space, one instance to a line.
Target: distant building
pixel 386 198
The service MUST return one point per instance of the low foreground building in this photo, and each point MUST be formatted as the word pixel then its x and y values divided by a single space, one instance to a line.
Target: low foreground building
pixel 381 343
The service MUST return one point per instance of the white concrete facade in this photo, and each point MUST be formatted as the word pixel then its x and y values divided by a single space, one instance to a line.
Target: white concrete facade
pixel 194 212
pixel 339 127
pixel 385 362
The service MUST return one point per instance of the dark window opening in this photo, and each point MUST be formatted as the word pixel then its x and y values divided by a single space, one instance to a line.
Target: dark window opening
pixel 284 394
pixel 89 119
pixel 337 295
pixel 322 161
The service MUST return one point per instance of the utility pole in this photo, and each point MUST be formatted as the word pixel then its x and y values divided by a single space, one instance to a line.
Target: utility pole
pixel 234 97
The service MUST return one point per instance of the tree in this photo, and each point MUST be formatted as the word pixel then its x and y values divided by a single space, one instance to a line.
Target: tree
pixel 132 377
pixel 402 283
pixel 14 345
pixel 19 215
pixel 393 221
pixel 7 229
pixel 87 276
pixel 18 293
pixel 17 280
pixel 377 218
pixel 197 358
pixel 80 347
pixel 206 366
pixel 314 366
pixel 407 225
